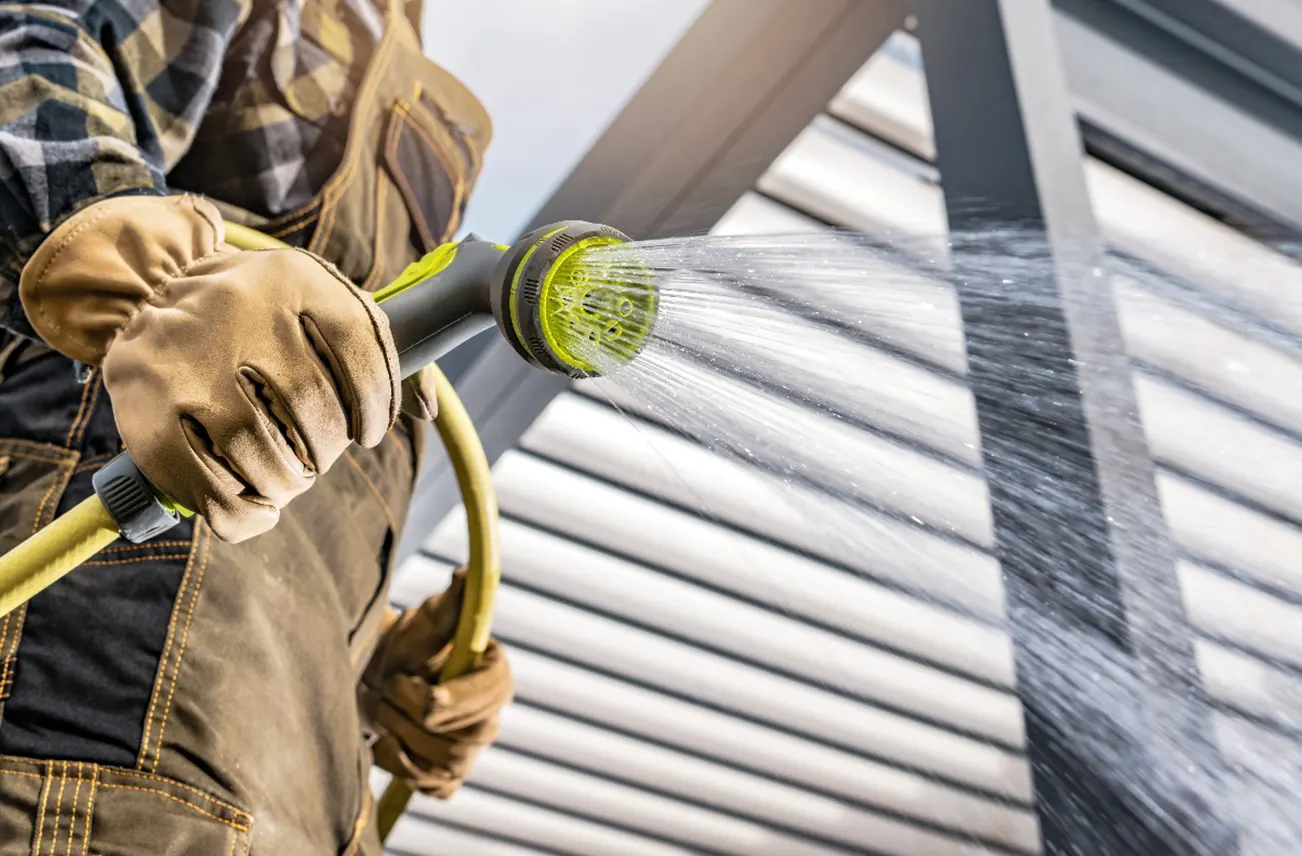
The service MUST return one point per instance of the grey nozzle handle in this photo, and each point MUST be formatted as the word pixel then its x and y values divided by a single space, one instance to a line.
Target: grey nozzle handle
pixel 433 316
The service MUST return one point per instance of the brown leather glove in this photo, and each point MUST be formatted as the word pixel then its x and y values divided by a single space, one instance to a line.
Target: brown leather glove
pixel 428 734
pixel 236 377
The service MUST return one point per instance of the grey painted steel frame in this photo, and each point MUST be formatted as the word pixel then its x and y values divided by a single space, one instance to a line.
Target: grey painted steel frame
pixel 745 79
pixel 1259 202
pixel 1219 30
pixel 1087 560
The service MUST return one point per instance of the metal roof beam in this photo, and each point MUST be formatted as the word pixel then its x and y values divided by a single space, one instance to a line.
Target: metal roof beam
pixel 1088 561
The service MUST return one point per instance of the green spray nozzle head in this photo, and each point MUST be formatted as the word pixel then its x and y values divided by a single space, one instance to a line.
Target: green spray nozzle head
pixel 567 305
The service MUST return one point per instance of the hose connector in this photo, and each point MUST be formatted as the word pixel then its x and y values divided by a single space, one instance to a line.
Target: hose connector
pixel 130 500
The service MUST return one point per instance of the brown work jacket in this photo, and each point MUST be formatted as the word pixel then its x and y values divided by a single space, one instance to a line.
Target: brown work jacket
pixel 189 696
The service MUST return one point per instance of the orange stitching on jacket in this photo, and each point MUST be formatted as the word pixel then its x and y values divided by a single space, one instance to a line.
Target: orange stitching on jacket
pixel 44 459
pixel 76 797
pixel 162 661
pixel 27 456
pixel 330 197
pixel 336 188
pixel 72 822
pixel 332 193
pixel 4 673
pixel 292 221
pixel 176 799
pixel 4 640
pixel 93 383
pixel 381 206
pixel 58 808
pixel 379 497
pixel 90 411
pixel 11 655
pixel 139 774
pixel 47 448
pixel 147 546
pixel 86 389
pixel 40 815
pixel 90 808
pixel 180 655
pixel 40 512
pixel 135 560
pixel 132 774
pixel 60 479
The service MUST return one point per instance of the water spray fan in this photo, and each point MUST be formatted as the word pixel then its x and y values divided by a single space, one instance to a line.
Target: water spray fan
pixel 555 296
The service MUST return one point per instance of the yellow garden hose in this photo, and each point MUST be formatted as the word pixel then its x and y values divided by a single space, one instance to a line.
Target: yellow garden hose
pixel 244 238
pixel 86 529
pixel 475 480
pixel 39 561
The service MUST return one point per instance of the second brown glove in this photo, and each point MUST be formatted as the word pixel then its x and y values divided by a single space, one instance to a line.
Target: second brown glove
pixel 429 733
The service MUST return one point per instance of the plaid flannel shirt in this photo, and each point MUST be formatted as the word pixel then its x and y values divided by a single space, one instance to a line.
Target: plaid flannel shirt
pixel 245 101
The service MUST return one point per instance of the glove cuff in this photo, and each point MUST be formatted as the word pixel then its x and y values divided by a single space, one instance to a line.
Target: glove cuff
pixel 93 273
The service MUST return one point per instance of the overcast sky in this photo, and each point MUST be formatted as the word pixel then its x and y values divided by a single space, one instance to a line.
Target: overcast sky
pixel 507 51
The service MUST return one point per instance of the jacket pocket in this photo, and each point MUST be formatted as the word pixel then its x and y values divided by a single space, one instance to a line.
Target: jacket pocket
pixel 80 807
pixel 433 163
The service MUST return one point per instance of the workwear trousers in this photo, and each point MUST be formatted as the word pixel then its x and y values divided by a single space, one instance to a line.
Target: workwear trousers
pixel 187 696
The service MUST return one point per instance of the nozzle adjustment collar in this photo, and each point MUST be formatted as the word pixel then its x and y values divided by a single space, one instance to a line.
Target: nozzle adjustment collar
pixel 524 269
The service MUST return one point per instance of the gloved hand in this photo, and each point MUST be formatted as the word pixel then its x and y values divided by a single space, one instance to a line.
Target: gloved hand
pixel 236 377
pixel 428 733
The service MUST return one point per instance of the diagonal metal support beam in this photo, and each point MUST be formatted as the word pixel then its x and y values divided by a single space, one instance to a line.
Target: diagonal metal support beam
pixel 745 79
pixel 1117 728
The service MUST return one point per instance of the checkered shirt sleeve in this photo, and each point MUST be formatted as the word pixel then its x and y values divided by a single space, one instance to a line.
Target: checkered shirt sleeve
pixel 245 101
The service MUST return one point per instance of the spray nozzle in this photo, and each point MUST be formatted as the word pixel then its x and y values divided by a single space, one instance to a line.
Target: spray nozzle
pixel 568 305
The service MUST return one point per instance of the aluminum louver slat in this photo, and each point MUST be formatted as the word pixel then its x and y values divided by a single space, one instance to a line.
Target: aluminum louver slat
pixel 419 835
pixel 615 587
pixel 655 768
pixel 565 631
pixel 546 828
pixel 599 513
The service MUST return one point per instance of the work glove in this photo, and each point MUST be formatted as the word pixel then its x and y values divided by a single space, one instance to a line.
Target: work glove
pixel 236 377
pixel 427 733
